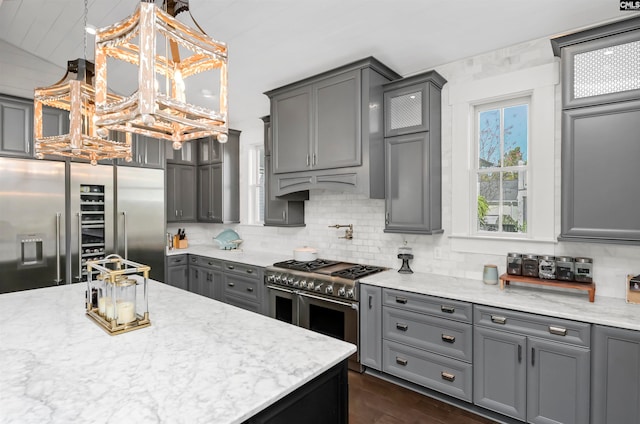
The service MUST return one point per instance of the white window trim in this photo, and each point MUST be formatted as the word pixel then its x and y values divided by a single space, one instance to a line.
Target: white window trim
pixel 540 84
pixel 253 188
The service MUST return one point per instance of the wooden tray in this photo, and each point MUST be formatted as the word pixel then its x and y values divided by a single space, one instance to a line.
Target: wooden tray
pixel 505 279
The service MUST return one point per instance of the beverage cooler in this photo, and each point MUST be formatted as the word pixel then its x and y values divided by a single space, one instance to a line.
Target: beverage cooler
pixel 55 216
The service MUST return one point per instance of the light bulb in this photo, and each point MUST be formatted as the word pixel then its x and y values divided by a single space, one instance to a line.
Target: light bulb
pixel 94 162
pixel 39 155
pixel 128 158
pixel 148 119
pixel 223 138
pixel 102 132
pixel 176 145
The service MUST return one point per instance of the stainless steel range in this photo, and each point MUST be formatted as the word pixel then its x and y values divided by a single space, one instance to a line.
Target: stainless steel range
pixel 319 295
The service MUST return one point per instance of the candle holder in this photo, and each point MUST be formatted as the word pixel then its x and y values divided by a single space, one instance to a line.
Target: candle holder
pixel 405 253
pixel 111 299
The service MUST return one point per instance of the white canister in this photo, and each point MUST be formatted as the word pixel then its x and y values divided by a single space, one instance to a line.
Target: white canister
pixel 305 254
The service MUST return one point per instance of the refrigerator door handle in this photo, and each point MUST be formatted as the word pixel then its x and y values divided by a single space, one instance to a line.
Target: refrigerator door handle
pixel 58 280
pixel 126 238
pixel 79 246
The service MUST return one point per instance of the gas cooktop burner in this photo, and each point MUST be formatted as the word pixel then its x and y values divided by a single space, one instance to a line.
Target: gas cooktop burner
pixel 357 271
pixel 305 266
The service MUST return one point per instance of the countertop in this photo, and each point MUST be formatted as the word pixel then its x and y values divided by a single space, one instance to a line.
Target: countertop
pixel 199 361
pixel 250 257
pixel 573 305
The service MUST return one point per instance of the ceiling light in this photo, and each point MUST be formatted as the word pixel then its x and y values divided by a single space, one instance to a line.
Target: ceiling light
pixel 90 29
pixel 188 52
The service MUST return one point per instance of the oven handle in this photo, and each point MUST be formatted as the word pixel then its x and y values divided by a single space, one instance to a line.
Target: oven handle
pixel 324 299
pixel 280 289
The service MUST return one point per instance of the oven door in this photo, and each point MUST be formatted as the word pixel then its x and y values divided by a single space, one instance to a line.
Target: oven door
pixel 283 304
pixel 331 317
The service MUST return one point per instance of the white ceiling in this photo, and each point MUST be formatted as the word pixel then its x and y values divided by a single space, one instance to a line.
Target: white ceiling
pixel 275 42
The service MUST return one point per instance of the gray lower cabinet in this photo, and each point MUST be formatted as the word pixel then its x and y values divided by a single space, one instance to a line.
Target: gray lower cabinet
pixel 177 273
pixel 615 392
pixel 219 183
pixel 530 367
pixel 428 341
pixel 243 286
pixel 371 326
pixel 181 193
pixel 205 276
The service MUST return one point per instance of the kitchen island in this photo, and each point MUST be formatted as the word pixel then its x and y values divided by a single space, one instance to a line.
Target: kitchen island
pixel 199 361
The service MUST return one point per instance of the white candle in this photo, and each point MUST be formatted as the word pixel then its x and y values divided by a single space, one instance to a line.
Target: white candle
pixel 126 312
pixel 109 310
pixel 102 304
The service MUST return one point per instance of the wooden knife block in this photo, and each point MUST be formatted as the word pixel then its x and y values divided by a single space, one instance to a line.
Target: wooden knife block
pixel 180 244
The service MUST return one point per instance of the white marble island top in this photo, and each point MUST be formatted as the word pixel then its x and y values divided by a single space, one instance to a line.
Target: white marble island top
pixel 572 305
pixel 199 361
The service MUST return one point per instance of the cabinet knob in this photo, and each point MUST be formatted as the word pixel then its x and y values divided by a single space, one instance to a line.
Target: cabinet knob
pixel 447 338
pixel 402 327
pixel 447 309
pixel 402 300
pixel 231 284
pixel 401 361
pixel 250 289
pixel 447 376
pixel 498 319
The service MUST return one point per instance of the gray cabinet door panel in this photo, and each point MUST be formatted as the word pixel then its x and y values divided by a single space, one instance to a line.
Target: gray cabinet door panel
pixel 500 372
pixel 600 171
pixel 291 114
pixel 16 126
pixel 337 116
pixel 443 336
pixel 558 379
pixel 371 326
pixel 187 188
pixel 434 371
pixel 615 392
pixel 178 276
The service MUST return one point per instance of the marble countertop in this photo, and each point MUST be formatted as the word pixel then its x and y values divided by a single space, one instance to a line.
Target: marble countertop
pixel 572 305
pixel 250 257
pixel 199 361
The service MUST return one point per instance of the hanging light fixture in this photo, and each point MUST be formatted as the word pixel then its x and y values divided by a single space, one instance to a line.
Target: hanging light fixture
pixel 158 110
pixel 75 94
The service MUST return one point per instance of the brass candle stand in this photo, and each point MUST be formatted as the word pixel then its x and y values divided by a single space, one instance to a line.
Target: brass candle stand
pixel 111 299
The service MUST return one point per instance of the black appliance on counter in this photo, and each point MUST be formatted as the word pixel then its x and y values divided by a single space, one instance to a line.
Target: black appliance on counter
pixel 319 295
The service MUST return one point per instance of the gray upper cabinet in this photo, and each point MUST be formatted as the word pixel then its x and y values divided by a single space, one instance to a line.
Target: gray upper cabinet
pixel 615 393
pixel 218 184
pixel 413 169
pixel 181 193
pixel 146 152
pixel 327 131
pixel 279 212
pixel 185 155
pixel 210 150
pixel 600 123
pixel 16 126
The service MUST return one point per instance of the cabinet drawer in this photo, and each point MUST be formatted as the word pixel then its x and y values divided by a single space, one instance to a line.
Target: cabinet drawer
pixel 242 269
pixel 243 303
pixel 176 260
pixel 438 335
pixel 561 330
pixel 445 308
pixel 205 262
pixel 427 369
pixel 241 286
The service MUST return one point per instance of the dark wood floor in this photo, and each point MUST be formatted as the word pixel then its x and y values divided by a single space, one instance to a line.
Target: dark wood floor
pixel 375 401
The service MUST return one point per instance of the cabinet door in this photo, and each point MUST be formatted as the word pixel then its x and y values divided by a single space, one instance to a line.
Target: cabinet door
pixel 413 181
pixel 196 279
pixel 152 152
pixel 210 150
pixel 283 213
pixel 16 127
pixel 371 326
pixel 600 202
pixel 406 110
pixel 558 381
pixel 187 190
pixel 615 392
pixel 178 276
pixel 499 372
pixel 210 196
pixel 291 126
pixel 337 132
pixel 185 155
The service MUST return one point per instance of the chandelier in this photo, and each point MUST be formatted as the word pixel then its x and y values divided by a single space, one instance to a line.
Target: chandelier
pixel 165 53
pixel 75 94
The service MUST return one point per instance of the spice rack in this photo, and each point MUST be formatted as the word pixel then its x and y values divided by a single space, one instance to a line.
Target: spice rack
pixel 505 279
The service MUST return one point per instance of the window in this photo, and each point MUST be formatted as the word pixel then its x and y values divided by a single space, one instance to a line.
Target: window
pixel 502 163
pixel 256 185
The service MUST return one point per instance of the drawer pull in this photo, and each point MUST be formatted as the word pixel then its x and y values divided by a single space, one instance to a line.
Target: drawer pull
pixel 401 361
pixel 230 267
pixel 402 300
pixel 177 261
pixel 447 309
pixel 447 376
pixel 249 271
pixel 447 338
pixel 498 319
pixel 194 260
pixel 210 263
pixel 402 327
pixel 558 331
pixel 250 289
pixel 231 284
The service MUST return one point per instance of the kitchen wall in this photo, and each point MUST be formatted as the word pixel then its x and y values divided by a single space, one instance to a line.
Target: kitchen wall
pixel 433 254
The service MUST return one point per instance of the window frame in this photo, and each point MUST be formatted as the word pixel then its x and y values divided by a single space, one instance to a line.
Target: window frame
pixel 475 170
pixel 255 184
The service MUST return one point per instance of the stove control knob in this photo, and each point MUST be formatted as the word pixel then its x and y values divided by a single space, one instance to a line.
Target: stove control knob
pixel 329 290
pixel 341 292
pixel 310 285
pixel 277 278
pixel 350 293
pixel 290 281
pixel 318 287
pixel 271 278
pixel 296 283
pixel 303 284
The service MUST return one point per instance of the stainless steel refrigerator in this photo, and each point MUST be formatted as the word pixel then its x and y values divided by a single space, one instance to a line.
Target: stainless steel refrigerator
pixel 54 216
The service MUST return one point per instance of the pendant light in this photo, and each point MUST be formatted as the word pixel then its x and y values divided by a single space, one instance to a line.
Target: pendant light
pixel 75 94
pixel 165 53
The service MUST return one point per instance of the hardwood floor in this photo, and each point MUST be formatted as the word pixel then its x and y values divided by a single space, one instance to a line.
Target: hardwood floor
pixel 375 401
